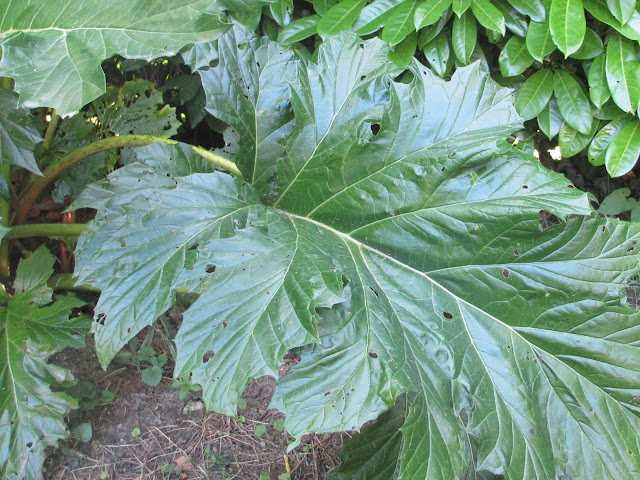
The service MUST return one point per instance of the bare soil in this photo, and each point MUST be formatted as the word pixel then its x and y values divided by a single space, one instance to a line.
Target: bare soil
pixel 179 439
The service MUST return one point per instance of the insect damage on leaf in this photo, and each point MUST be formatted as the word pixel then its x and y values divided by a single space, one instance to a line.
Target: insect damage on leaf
pixel 500 331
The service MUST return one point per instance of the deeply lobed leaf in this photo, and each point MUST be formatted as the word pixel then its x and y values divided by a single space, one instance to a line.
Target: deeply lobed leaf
pixel 53 49
pixel 31 330
pixel 388 240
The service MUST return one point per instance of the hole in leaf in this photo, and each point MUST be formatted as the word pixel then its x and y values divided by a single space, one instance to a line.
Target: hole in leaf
pixel 373 355
pixel 374 291
pixel 548 220
pixel 633 292
pixel 193 247
pixel 525 186
pixel 506 273
pixel 517 253
pixel 101 318
pixel 447 315
pixel 210 268
pixel 375 128
pixel 29 444
pixel 328 393
pixel 604 228
pixel 363 77
pixel 208 356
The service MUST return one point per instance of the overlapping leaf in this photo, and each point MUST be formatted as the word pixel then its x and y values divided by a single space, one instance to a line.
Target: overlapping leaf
pixel 401 254
pixel 32 415
pixel 18 134
pixel 54 48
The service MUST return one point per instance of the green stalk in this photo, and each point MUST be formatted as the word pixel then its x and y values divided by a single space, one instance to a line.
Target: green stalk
pixel 37 184
pixel 51 130
pixel 5 267
pixel 46 230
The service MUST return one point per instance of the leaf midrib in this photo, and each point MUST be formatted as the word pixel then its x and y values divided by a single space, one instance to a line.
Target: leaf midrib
pixel 347 239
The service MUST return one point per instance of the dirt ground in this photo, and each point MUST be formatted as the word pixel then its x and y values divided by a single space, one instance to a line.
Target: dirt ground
pixel 149 433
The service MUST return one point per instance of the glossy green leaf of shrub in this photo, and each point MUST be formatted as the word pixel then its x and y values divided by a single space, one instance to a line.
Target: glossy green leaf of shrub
pixel 54 48
pixel 387 240
pixel 32 328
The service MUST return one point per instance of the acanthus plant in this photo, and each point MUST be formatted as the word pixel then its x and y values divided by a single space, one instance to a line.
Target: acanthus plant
pixel 377 230
pixel 382 227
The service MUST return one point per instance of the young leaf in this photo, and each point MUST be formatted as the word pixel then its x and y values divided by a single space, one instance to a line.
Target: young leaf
pixel 396 276
pixel 534 94
pixel 617 202
pixel 598 88
pixel 622 9
pixel 567 24
pixel 550 119
pixel 623 72
pixel 591 46
pixel 572 142
pixel 340 17
pixel 400 23
pixel 532 8
pixel 33 328
pixel 572 101
pixel 605 136
pixel 623 152
pixel 488 16
pixel 299 30
pixel 263 116
pixel 514 57
pixel 18 134
pixel 428 13
pixel 67 40
pixel 539 41
pixel 464 36
pixel 133 109
pixel 374 16
pixel 460 6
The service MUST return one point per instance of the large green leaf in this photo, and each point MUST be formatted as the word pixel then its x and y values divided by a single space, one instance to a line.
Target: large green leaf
pixel 534 94
pixel 340 17
pixel 514 57
pixel 532 8
pixel 572 101
pixel 53 49
pixel 598 88
pixel 400 23
pixel 605 136
pixel 550 119
pixel 539 41
pixel 623 72
pixel 488 16
pixel 428 13
pixel 401 254
pixel 622 9
pixel 32 329
pixel 375 15
pixel 464 35
pixel 18 134
pixel 623 152
pixel 600 10
pixel 572 142
pixel 258 112
pixel 568 24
